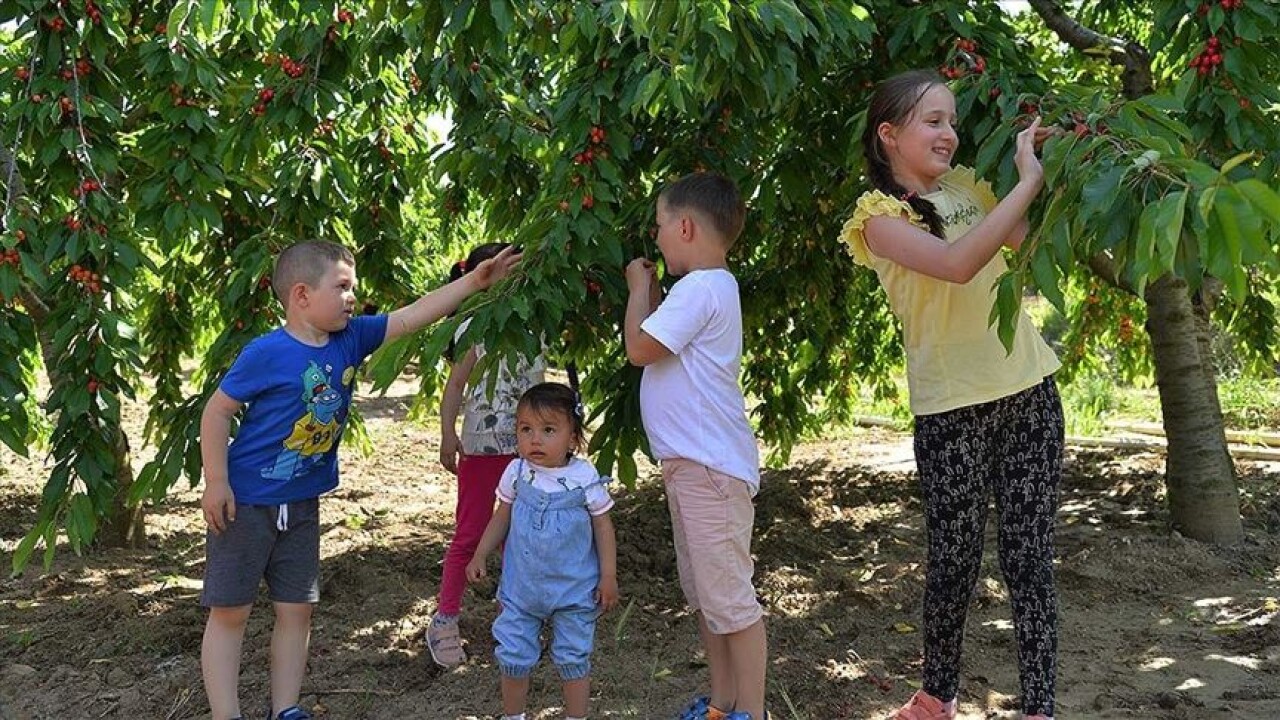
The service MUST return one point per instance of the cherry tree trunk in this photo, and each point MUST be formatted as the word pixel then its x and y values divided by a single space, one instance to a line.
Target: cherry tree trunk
pixel 1200 476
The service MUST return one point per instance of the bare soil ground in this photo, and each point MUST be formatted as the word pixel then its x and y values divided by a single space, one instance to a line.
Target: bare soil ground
pixel 1153 625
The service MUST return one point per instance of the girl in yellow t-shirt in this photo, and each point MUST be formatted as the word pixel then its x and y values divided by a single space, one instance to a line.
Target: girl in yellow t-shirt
pixel 987 420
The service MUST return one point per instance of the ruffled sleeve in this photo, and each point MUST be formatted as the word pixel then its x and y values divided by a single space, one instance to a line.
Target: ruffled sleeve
pixel 871 204
pixel 964 178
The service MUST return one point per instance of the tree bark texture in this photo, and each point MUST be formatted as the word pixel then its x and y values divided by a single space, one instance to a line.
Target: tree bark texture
pixel 1204 501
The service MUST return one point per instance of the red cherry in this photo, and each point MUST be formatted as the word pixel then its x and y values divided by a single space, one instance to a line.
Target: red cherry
pixel 564 206
pixel 475 66
pixel 21 73
pixel 92 386
pixel 588 202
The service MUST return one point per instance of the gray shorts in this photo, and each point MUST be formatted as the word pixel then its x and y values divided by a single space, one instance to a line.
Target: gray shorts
pixel 253 547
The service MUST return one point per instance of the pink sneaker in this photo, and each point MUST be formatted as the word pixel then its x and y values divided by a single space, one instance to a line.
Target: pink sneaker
pixel 924 706
pixel 445 644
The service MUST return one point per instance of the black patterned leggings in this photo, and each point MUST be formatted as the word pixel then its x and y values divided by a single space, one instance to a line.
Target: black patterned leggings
pixel 1011 447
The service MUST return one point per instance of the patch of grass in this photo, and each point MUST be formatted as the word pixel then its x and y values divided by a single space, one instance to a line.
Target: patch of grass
pixel 1249 403
pixel 1092 400
pixel 23 638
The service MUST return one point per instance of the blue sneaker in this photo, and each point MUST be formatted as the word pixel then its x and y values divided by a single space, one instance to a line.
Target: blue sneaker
pixel 697 709
pixel 294 713
pixel 744 716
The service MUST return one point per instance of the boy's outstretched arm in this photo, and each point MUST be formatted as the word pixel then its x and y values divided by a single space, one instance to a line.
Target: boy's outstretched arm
pixel 494 533
pixel 218 502
pixel 442 301
pixel 607 550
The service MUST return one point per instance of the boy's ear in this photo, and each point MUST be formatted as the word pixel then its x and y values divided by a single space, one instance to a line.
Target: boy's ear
pixel 298 294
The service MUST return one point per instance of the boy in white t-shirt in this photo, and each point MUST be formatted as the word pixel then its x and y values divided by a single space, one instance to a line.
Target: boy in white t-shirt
pixel 690 346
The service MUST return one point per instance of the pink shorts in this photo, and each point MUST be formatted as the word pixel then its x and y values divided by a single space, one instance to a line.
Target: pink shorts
pixel 711 519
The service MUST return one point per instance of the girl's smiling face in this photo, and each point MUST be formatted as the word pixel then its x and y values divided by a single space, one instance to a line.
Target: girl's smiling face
pixel 920 150
pixel 545 437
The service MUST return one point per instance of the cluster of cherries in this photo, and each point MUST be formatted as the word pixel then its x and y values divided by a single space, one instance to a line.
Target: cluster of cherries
pixel 293 69
pixel 83 68
pixel 588 156
pixel 978 64
pixel 86 187
pixel 265 95
pixel 1227 5
pixel 89 281
pixel 1209 58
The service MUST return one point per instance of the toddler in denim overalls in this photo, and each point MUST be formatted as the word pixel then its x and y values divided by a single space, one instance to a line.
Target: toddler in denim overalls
pixel 558 566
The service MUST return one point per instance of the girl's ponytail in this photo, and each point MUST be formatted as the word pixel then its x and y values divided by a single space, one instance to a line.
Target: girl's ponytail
pixel 893 102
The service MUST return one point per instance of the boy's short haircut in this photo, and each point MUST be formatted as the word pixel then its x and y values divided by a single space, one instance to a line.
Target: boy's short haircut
pixel 306 262
pixel 715 196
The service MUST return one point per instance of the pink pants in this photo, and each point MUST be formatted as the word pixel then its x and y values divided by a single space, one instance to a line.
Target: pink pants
pixel 478 477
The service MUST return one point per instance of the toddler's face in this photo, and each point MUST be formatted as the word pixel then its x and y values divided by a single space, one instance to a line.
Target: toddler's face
pixel 544 437
pixel 333 298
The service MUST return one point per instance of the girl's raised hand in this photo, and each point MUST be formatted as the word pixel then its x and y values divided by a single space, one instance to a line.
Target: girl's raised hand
pixel 1024 157
pixel 495 268
pixel 1044 133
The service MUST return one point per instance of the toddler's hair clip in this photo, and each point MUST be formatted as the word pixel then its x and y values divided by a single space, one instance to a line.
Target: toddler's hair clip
pixel 462 265
pixel 909 196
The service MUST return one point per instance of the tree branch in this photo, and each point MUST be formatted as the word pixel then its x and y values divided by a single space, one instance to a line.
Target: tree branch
pixel 1129 55
pixel 1104 267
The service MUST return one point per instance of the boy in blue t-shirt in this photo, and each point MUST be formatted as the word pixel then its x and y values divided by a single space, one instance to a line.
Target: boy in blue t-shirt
pixel 261 497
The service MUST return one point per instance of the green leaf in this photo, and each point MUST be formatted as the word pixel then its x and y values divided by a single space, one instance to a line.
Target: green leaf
pixel 648 87
pixel 501 11
pixel 1100 192
pixel 1048 280
pixel 992 150
pixel 1229 252
pixel 1006 311
pixel 1236 161
pixel 1264 198
pixel 1171 209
